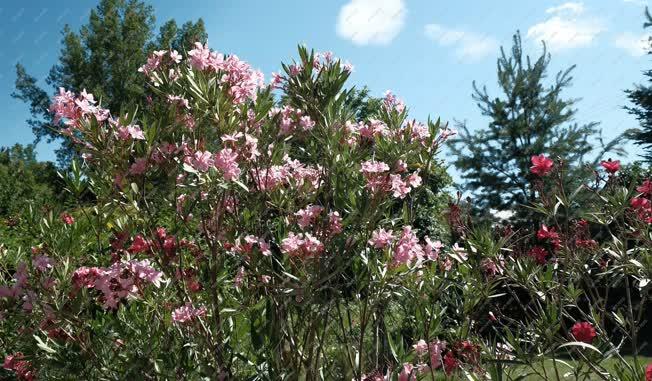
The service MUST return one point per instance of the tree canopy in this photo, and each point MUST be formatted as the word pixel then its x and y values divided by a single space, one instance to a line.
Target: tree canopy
pixel 103 57
pixel 531 117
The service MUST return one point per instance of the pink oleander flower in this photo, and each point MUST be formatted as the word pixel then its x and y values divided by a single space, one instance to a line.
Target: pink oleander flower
pixel 292 244
pixel 239 277
pixel 307 216
pixel 447 133
pixel 306 123
pixel 372 167
pixel 407 373
pixel 243 81
pixel 408 250
pixel 419 132
pixel 414 180
pixel 139 166
pixel 225 161
pixel 399 188
pixel 377 181
pixel 392 103
pixel 432 249
pixel 245 246
pixel 84 277
pixel 541 165
pixel 67 219
pixel 202 161
pixel 312 247
pixel 436 348
pixel 120 281
pixel 381 238
pixel 295 69
pixel 154 61
pixel 375 128
pixel 301 245
pixel 334 223
pixel 201 58
pixel 187 313
pixel 175 56
pixel 421 347
pixel 130 132
pixel 277 81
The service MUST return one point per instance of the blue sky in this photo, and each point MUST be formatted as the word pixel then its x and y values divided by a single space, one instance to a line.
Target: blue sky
pixel 427 52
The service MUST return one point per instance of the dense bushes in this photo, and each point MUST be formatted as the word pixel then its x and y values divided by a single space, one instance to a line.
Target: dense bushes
pixel 233 235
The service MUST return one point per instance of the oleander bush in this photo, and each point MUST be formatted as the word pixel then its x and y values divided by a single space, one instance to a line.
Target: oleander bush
pixel 243 230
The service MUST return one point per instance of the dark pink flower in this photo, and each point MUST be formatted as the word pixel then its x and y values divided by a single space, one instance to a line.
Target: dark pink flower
pixel 139 245
pixel 611 166
pixel 67 219
pixel 584 332
pixel 539 254
pixel 645 188
pixel 541 165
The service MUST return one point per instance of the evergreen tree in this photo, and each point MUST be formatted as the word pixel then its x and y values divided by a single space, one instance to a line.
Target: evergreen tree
pixel 103 58
pixel 641 97
pixel 530 118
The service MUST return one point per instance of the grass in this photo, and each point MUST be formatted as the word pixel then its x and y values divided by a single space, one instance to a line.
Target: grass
pixel 609 365
pixel 564 371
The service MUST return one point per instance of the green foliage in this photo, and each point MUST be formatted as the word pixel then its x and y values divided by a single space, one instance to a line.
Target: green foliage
pixel 530 118
pixel 25 182
pixel 641 97
pixel 24 179
pixel 103 58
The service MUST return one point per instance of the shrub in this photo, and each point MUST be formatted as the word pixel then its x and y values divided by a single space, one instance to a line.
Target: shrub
pixel 237 234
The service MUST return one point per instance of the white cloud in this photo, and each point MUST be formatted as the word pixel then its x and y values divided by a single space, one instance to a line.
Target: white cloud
pixel 468 45
pixel 575 8
pixel 566 28
pixel 635 45
pixel 368 22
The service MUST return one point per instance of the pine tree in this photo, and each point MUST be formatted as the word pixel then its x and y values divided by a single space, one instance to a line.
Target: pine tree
pixel 528 119
pixel 103 58
pixel 641 97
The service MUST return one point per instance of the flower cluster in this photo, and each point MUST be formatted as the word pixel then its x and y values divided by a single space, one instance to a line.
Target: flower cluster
pixel 449 357
pixel 74 110
pixel 292 174
pixel 187 313
pixel 241 80
pixel 641 204
pixel 21 367
pixel 380 181
pixel 118 282
pixel 406 249
pixel 291 120
pixel 302 245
